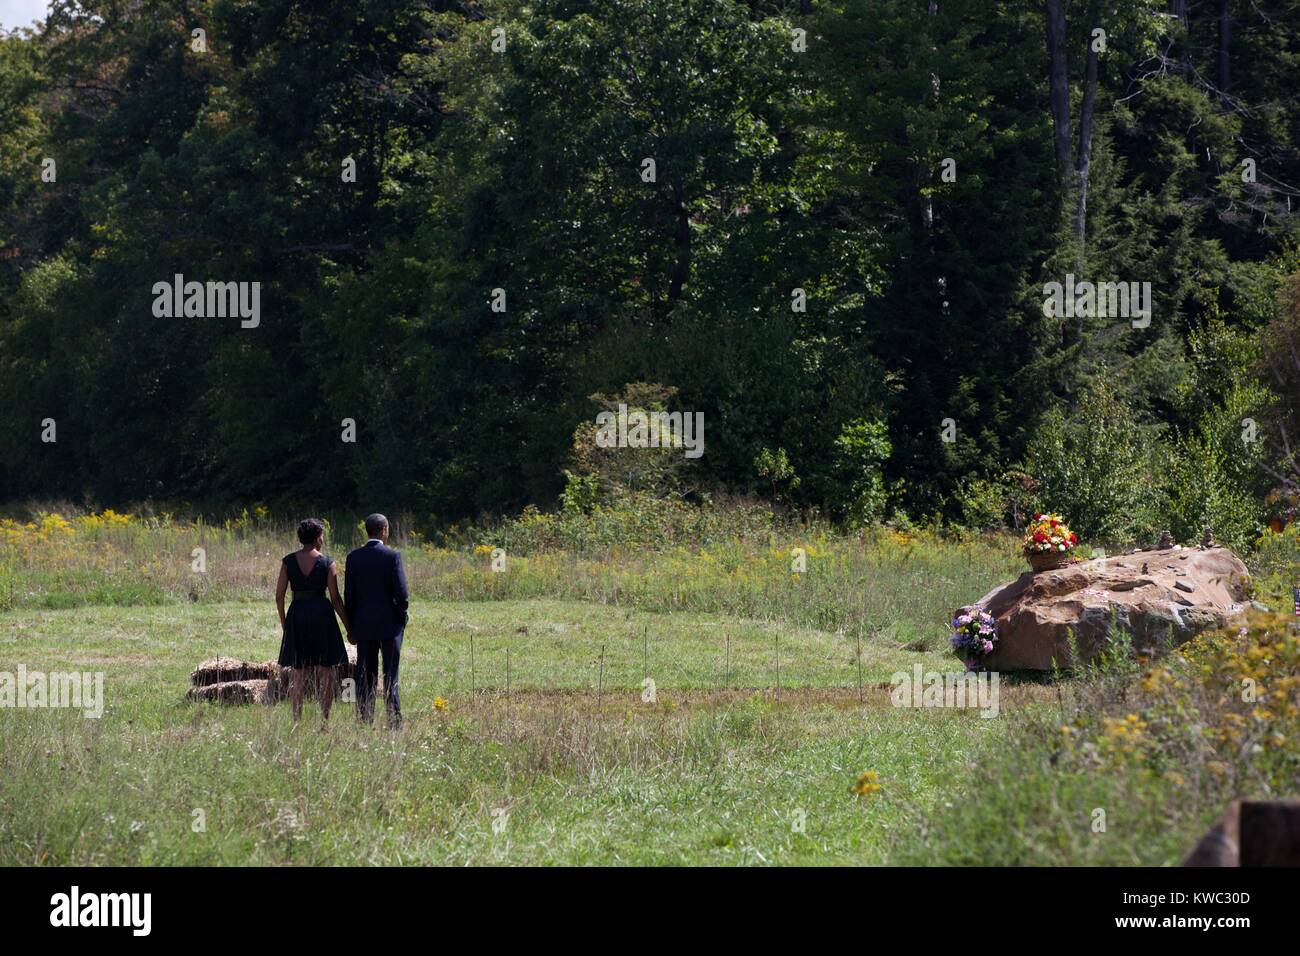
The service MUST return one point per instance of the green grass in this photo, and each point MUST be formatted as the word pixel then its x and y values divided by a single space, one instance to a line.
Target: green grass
pixel 703 776
pixel 717 771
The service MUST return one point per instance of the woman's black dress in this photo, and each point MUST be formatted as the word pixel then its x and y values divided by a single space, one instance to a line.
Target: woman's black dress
pixel 311 632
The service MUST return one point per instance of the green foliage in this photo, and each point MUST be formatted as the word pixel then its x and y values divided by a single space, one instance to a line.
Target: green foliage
pixel 861 451
pixel 775 468
pixel 1214 475
pixel 825 171
pixel 1003 503
pixel 1096 467
pixel 1278 553
pixel 581 492
pixel 638 521
pixel 612 471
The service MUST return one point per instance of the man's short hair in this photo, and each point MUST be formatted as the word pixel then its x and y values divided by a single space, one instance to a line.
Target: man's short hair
pixel 375 525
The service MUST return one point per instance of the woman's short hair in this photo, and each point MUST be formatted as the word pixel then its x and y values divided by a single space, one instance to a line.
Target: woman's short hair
pixel 310 530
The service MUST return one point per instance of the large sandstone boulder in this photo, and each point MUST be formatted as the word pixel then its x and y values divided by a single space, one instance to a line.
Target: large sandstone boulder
pixel 1160 597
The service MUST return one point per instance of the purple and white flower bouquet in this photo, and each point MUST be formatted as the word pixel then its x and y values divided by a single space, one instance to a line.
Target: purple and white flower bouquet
pixel 973 634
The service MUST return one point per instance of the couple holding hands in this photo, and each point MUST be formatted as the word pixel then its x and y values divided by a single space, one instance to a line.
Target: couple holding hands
pixel 373 610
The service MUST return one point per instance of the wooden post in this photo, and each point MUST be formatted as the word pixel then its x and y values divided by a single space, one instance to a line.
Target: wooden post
pixel 778 666
pixel 726 673
pixel 859 641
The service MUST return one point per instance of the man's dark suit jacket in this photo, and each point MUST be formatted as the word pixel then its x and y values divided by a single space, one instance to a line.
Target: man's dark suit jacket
pixel 374 593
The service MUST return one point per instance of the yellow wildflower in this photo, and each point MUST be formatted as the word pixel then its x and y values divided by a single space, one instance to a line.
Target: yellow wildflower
pixel 867 783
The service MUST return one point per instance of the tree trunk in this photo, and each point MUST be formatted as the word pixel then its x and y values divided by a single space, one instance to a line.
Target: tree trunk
pixel 1225 41
pixel 1085 141
pixel 1060 87
pixel 682 240
pixel 1178 10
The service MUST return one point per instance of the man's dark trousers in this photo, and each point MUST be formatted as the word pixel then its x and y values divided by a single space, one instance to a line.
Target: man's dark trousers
pixel 368 655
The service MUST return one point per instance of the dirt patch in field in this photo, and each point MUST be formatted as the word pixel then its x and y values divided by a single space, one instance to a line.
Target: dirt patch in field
pixel 843 698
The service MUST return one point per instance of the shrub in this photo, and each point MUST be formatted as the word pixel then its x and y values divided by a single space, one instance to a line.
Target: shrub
pixel 995 505
pixel 581 492
pixel 1215 478
pixel 620 471
pixel 861 450
pixel 1095 466
pixel 1205 490
pixel 1278 553
pixel 775 468
pixel 642 522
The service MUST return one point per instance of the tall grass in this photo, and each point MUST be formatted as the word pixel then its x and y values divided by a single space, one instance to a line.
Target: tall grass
pixel 1136 759
pixel 884 585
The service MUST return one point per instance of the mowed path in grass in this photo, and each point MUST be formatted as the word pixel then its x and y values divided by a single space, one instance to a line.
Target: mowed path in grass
pixel 712 773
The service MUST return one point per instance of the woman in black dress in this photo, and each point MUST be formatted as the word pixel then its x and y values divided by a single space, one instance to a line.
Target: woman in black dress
pixel 311 635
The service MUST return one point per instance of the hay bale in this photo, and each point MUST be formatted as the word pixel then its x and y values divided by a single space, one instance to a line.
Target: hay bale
pixel 233 692
pixel 222 670
pixel 274 694
pixel 228 680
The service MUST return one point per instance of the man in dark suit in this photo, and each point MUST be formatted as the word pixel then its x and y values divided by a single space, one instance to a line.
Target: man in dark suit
pixel 376 598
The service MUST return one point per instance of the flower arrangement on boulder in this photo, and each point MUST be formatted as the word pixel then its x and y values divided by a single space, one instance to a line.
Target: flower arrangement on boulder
pixel 1049 542
pixel 974 634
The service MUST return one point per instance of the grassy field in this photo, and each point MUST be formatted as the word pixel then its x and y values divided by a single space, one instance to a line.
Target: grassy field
pixel 761 728
pixel 713 772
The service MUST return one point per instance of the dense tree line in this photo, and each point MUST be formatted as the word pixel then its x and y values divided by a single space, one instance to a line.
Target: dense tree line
pixel 840 257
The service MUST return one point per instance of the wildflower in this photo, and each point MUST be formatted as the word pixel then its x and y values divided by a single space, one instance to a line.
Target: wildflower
pixel 439 704
pixel 1154 680
pixel 867 784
